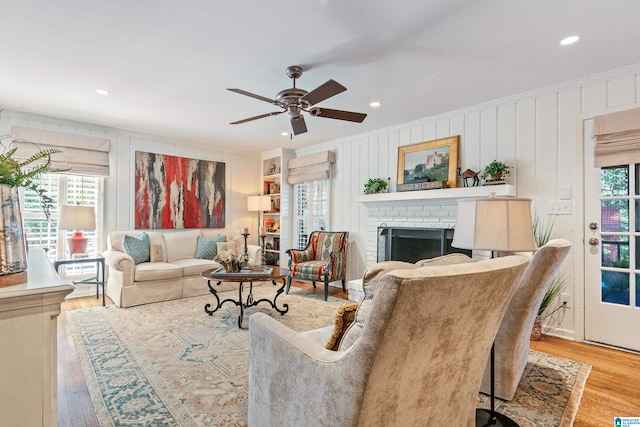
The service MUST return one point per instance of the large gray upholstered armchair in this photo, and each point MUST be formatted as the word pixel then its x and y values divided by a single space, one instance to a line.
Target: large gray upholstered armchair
pixel 512 339
pixel 414 355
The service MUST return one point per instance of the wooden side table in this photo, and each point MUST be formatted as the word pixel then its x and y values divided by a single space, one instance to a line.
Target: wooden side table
pixel 98 280
pixel 277 274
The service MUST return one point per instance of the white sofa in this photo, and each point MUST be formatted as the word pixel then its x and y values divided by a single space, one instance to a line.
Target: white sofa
pixel 175 272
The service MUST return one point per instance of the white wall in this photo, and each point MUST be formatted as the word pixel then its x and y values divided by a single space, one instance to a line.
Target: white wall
pixel 242 168
pixel 538 133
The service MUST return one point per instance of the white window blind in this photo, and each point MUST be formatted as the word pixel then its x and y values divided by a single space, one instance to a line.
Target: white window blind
pixel 313 167
pixel 617 138
pixel 83 155
pixel 311 210
pixel 64 190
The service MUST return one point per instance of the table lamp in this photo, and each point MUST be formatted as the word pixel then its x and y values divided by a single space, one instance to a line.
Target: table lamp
pixel 258 204
pixel 496 224
pixel 77 218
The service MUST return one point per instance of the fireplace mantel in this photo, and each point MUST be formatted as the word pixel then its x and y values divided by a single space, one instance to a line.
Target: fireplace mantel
pixel 440 194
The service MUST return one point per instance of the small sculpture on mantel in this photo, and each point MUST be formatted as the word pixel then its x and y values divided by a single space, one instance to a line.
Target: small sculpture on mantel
pixel 469 174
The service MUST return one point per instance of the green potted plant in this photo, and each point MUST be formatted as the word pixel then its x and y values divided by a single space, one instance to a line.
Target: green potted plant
pixel 542 234
pixel 376 185
pixel 23 174
pixel 13 175
pixel 495 170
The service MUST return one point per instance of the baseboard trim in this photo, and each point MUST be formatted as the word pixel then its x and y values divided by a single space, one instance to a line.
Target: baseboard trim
pixel 566 334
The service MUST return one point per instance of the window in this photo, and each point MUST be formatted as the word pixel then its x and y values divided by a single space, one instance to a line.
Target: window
pixel 63 189
pixel 311 210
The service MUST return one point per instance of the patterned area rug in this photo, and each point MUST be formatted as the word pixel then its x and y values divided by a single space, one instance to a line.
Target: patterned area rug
pixel 170 364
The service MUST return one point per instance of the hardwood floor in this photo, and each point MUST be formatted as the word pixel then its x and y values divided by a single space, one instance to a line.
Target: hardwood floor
pixel 613 387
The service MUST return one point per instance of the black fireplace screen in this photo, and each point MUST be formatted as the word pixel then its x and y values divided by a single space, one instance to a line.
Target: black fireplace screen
pixel 413 244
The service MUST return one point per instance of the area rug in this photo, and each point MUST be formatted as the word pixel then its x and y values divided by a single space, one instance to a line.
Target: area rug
pixel 171 364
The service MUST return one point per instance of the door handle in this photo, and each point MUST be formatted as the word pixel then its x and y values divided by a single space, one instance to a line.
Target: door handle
pixel 593 241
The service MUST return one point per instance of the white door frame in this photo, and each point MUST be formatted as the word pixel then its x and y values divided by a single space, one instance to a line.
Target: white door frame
pixel 580 225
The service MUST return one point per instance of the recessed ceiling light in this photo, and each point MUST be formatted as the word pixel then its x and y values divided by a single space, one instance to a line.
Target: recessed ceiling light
pixel 284 133
pixel 375 104
pixel 103 91
pixel 569 40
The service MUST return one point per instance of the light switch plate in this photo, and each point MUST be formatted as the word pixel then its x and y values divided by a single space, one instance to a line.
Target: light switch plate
pixel 562 207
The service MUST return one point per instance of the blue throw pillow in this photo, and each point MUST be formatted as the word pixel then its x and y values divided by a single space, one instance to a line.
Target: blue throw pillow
pixel 208 247
pixel 137 247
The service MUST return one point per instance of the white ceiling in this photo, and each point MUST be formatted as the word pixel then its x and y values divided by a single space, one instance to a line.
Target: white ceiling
pixel 168 63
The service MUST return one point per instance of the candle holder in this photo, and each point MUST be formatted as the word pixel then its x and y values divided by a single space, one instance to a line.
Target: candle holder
pixel 246 249
pixel 264 262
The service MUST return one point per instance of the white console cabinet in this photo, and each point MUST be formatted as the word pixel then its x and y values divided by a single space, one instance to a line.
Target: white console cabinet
pixel 28 345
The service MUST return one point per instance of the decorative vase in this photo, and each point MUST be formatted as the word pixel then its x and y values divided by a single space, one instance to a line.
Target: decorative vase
pixel 13 248
pixel 536 332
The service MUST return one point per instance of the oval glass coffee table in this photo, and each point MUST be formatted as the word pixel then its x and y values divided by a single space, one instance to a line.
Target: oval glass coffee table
pixel 276 274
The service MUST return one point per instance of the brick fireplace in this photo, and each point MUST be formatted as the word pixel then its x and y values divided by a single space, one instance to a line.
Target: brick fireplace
pixel 426 209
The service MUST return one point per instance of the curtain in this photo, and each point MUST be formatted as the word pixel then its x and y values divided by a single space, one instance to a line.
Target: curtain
pixel 311 168
pixel 617 138
pixel 83 155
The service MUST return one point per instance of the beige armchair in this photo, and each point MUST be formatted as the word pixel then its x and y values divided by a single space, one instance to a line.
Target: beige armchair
pixel 417 357
pixel 512 339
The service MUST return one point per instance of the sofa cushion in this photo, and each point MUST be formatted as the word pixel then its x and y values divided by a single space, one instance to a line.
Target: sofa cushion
pixel 345 315
pixel 226 248
pixel 194 267
pixel 137 247
pixel 207 247
pixel 156 253
pixel 181 244
pixel 149 271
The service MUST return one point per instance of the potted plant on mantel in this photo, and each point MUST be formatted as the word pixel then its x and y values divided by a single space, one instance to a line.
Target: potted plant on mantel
pixel 376 185
pixel 495 171
pixel 13 175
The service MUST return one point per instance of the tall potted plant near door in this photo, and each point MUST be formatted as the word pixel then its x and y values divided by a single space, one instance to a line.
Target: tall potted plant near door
pixel 542 234
pixel 15 174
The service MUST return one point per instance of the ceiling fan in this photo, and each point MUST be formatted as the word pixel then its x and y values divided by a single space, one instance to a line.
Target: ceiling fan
pixel 294 101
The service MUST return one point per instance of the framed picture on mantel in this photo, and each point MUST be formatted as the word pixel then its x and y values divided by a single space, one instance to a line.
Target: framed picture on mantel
pixel 428 165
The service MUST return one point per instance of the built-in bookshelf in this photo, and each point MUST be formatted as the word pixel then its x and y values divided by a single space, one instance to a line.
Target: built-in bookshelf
pixel 277 219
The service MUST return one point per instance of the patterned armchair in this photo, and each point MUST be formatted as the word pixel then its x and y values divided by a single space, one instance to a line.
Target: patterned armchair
pixel 323 260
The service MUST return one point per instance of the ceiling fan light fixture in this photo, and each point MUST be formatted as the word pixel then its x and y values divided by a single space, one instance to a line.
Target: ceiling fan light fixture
pixel 569 40
pixel 295 101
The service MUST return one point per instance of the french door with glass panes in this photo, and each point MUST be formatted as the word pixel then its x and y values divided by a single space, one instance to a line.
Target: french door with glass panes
pixel 612 255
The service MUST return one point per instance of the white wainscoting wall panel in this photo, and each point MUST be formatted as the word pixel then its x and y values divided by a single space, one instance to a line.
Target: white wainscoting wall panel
pixel 537 133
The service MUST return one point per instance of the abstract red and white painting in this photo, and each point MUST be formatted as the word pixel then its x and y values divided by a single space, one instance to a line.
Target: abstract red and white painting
pixel 177 192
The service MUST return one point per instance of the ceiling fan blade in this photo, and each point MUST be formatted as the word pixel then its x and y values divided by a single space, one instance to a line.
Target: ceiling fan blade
pixel 253 95
pixel 298 125
pixel 328 113
pixel 324 91
pixel 275 113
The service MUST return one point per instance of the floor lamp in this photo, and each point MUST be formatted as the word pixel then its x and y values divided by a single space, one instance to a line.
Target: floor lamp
pixel 258 204
pixel 498 225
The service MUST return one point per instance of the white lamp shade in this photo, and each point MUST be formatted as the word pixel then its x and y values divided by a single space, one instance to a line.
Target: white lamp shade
pixel 494 224
pixel 258 203
pixel 77 218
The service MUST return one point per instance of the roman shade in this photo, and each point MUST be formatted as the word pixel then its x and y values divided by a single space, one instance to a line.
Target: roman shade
pixel 617 138
pixel 82 155
pixel 311 168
